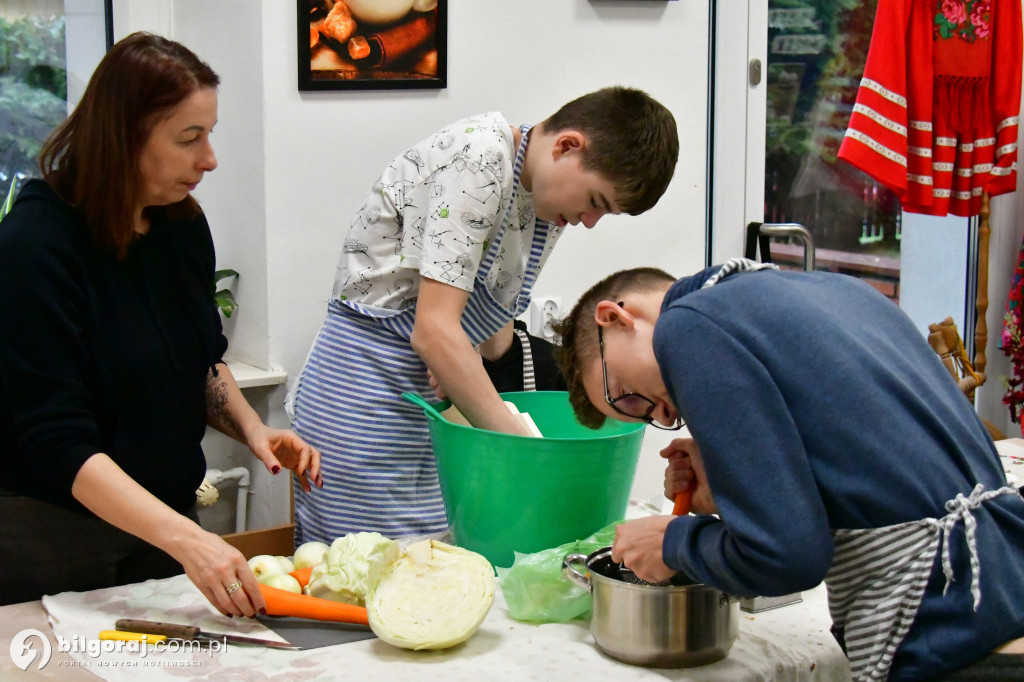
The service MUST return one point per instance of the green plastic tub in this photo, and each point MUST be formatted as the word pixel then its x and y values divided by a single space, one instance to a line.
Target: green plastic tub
pixel 505 494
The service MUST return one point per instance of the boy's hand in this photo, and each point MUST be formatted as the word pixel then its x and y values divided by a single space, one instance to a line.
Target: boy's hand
pixel 438 391
pixel 638 544
pixel 685 471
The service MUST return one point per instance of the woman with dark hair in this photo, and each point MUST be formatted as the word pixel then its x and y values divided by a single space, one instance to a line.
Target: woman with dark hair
pixel 111 347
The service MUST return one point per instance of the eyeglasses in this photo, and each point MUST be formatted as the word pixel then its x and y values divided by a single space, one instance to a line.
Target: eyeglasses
pixel 632 405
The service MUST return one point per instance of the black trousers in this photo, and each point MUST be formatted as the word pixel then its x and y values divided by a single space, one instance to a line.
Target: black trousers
pixel 46 549
pixel 992 668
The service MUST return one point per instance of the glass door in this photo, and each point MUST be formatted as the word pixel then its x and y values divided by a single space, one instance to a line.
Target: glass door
pixel 786 77
pixel 815 59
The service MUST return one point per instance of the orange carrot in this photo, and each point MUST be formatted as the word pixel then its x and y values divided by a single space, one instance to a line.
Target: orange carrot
pixel 302 575
pixel 682 502
pixel 285 603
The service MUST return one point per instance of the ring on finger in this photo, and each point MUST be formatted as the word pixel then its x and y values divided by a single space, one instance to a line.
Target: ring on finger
pixel 233 587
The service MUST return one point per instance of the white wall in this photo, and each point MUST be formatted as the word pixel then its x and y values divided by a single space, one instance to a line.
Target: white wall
pixel 294 166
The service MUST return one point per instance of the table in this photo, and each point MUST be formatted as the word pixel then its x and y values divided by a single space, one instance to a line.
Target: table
pixel 792 641
pixel 1011 452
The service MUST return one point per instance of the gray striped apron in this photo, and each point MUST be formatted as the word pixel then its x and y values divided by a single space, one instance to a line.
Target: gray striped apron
pixel 376 457
pixel 529 376
pixel 878 577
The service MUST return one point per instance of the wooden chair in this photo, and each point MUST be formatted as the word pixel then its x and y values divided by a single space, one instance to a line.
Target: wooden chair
pixel 945 339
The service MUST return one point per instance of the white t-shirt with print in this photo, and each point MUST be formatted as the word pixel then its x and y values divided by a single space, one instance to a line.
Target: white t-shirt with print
pixel 433 213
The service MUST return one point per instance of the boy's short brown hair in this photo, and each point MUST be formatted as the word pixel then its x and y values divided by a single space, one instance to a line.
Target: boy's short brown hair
pixel 632 139
pixel 579 333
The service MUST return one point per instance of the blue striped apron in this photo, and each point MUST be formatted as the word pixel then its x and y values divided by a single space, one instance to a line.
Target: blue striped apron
pixel 376 457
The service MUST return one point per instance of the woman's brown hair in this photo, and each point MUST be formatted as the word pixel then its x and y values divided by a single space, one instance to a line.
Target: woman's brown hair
pixel 91 160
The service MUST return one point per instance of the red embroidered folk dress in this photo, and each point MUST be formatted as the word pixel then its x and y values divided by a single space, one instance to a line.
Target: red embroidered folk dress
pixel 936 114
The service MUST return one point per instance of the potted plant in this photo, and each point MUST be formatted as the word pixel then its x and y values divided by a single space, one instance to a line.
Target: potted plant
pixel 224 298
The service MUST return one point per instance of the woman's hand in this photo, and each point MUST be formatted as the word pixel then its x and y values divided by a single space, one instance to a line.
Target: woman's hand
pixel 215 567
pixel 638 544
pixel 685 471
pixel 229 412
pixel 209 562
pixel 278 448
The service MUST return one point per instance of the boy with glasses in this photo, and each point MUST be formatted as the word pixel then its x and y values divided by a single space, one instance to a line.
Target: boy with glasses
pixel 832 445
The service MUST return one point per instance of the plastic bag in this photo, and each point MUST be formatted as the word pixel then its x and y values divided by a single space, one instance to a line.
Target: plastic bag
pixel 537 592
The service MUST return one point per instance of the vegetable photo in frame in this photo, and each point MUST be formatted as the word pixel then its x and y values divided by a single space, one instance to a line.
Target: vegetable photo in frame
pixel 371 44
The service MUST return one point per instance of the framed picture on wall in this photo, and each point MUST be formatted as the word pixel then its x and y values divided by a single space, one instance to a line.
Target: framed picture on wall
pixel 372 44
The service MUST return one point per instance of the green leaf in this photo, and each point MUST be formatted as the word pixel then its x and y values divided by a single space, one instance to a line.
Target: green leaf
pixel 224 274
pixel 225 300
pixel 5 208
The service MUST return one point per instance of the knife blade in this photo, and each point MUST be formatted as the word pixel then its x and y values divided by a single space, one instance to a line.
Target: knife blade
pixel 193 633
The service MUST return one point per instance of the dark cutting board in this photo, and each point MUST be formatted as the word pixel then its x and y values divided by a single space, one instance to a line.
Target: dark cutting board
pixel 313 634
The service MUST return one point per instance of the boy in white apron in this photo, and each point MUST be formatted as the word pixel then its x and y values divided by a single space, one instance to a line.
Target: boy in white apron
pixel 831 444
pixel 440 257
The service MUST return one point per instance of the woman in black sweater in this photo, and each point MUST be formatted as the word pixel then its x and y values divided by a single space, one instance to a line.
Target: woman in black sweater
pixel 111 348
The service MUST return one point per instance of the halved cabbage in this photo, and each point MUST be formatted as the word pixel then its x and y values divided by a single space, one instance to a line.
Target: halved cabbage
pixel 432 597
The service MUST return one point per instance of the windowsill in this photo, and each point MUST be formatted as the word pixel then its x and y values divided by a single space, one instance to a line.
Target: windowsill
pixel 248 376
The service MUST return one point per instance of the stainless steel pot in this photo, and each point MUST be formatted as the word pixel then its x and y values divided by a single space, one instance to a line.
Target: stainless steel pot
pixel 678 625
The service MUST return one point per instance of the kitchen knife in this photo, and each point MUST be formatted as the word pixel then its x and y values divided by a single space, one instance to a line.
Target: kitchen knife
pixel 193 633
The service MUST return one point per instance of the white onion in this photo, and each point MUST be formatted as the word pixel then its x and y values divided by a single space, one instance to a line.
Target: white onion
pixel 310 554
pixel 268 564
pixel 282 581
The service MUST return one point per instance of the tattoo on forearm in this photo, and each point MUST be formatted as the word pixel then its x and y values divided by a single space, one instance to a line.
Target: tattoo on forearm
pixel 217 414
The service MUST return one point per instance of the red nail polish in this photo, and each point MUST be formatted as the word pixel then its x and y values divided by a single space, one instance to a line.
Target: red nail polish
pixel 263 612
pixel 275 469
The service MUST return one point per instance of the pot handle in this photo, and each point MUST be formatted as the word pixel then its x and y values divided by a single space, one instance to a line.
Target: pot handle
pixel 570 572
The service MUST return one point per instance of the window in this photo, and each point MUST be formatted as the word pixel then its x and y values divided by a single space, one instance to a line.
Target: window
pixel 816 56
pixel 48 49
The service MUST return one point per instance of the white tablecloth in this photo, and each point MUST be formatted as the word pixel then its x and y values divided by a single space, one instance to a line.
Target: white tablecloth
pixel 792 643
pixel 1011 452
